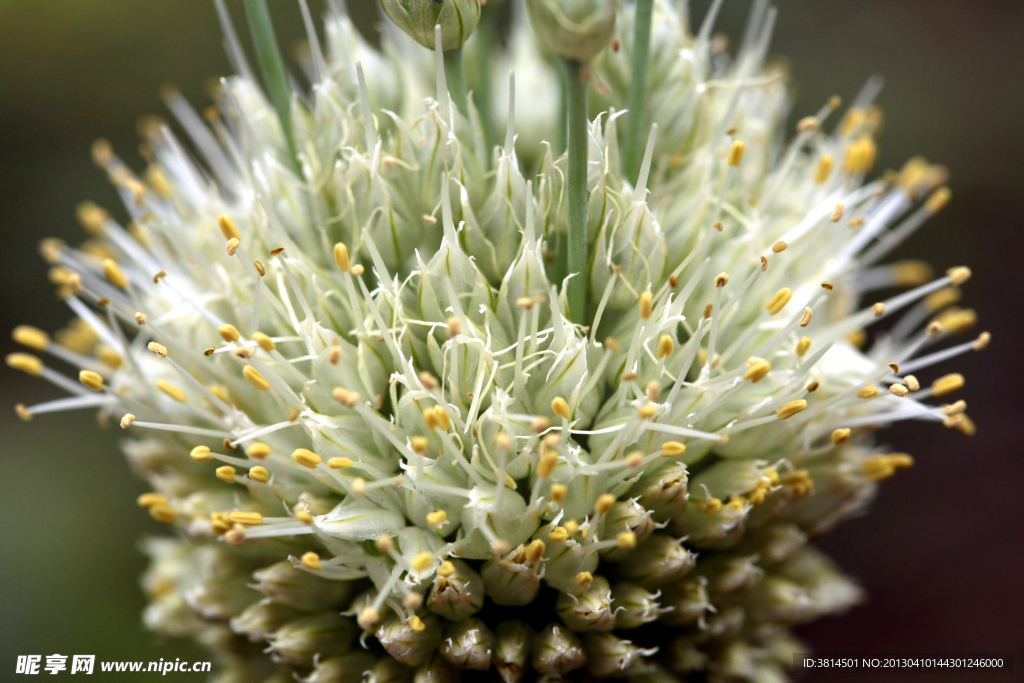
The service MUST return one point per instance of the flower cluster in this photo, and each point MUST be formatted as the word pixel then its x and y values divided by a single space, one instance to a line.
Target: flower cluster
pixel 341 345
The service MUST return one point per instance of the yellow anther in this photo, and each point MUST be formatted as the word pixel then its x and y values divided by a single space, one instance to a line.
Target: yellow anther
pixel 421 561
pixel 228 333
pixel 31 365
pixel 807 124
pixel 646 304
pixel 437 517
pixel 341 256
pixel 334 352
pixel 779 247
pixel 171 390
pixel 304 516
pixel 910 273
pixel 228 227
pixel 634 459
pixel 671 449
pixel 368 618
pixel 779 300
pixel 351 399
pixel 757 368
pixel 982 341
pixel 736 150
pixel 799 481
pixel 558 492
pixel 255 378
pixel 773 477
pixel 805 319
pixel 114 273
pixel 201 453
pixel 612 344
pixel 226 473
pixel 956 320
pixel 937 201
pixel 604 503
pixel 739 502
pixel 966 425
pixel 247 518
pixel 419 444
pixel 878 467
pixel 584 579
pixel 709 506
pixel 259 474
pixel 232 246
pixel 859 155
pixel 666 345
pixel 311 560
pixel 558 534
pixel 958 275
pixel 868 392
pixel 22 412
pixel 445 569
pixel 560 407
pixel 109 357
pixel 264 341
pixel 571 526
pixel 454 326
pixel 790 409
pixel 158 349
pixel 385 544
pixel 258 450
pixel 947 384
pixel 428 380
pixel 340 463
pixel 878 310
pixel 626 540
pixel 148 500
pixel 260 268
pixel 803 345
pixel 901 461
pixel 32 337
pixel 140 318
pixel 547 464
pixel 535 550
pixel 163 514
pixel 90 379
pixel 823 169
pixel 306 457
pixel 841 435
pixel 898 390
pixel 647 411
pixel 416 624
pixel 721 280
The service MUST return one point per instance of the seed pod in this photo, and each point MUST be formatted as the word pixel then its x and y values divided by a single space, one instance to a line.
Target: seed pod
pixel 575 29
pixel 457 18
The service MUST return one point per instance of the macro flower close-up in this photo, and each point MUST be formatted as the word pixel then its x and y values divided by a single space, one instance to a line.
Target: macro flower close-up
pixel 523 340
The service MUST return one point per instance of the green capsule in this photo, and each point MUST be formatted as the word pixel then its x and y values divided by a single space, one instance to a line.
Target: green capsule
pixel 457 18
pixel 575 29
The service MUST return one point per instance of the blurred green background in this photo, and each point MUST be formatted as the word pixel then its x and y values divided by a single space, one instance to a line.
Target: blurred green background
pixel 943 549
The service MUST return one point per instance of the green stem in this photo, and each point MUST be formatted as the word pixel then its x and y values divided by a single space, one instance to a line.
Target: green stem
pixel 576 111
pixel 271 65
pixel 487 36
pixel 635 119
pixel 455 74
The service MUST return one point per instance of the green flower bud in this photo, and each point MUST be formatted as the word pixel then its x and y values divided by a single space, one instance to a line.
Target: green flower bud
pixel 659 561
pixel 457 18
pixel 556 650
pixel 575 29
pixel 831 591
pixel 457 595
pixel 687 600
pixel 410 643
pixel 711 526
pixel 611 656
pixel 511 581
pixel 724 624
pixel 437 670
pixel 775 543
pixel 591 611
pixel 730 576
pixel 388 670
pixel 300 589
pixel 780 600
pixel 469 645
pixel 262 618
pixel 347 668
pixel 317 635
pixel 684 657
pixel 635 606
pixel 626 516
pixel 664 491
pixel 511 650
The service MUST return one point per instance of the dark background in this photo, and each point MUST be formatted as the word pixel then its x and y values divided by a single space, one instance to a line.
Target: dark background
pixel 942 551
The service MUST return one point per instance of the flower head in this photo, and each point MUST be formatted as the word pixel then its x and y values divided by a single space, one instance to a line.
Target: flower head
pixel 343 356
